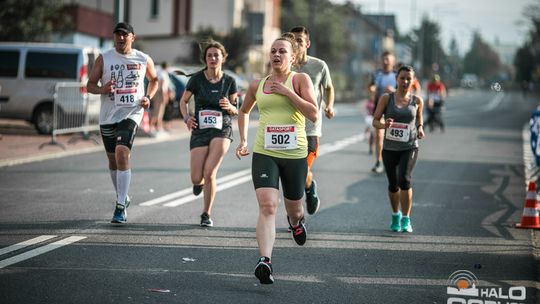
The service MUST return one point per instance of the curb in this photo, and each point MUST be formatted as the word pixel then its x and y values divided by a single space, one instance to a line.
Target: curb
pixel 30 159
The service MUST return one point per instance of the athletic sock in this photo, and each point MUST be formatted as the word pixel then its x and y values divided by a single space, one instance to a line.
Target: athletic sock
pixel 123 179
pixel 113 178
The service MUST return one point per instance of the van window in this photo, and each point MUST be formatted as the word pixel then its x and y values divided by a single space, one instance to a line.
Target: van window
pixel 51 65
pixel 10 63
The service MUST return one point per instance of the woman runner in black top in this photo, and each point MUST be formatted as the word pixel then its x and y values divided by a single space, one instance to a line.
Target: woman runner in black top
pixel 215 96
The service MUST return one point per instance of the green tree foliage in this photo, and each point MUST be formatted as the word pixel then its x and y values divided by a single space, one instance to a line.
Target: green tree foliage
pixel 31 20
pixel 523 61
pixel 236 43
pixel 528 56
pixel 431 53
pixel 454 67
pixel 328 34
pixel 328 40
pixel 481 59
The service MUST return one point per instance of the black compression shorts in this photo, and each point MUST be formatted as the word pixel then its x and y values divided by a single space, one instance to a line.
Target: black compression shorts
pixel 266 171
pixel 120 133
pixel 202 138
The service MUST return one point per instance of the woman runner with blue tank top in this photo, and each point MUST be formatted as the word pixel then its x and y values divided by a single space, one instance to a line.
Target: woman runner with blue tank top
pixel 403 126
pixel 284 99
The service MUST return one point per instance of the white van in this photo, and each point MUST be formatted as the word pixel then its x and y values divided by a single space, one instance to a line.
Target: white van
pixel 29 73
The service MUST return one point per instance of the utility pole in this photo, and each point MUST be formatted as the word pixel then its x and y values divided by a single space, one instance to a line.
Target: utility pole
pixel 119 8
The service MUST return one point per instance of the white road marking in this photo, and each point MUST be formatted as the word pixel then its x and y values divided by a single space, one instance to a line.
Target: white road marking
pixel 221 187
pixel 188 191
pixel 494 102
pixel 184 196
pixel 40 250
pixel 27 243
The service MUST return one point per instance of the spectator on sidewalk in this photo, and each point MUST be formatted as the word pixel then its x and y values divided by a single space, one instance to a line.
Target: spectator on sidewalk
pixel 160 101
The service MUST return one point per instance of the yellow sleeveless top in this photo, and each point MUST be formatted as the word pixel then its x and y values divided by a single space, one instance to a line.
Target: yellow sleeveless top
pixel 278 110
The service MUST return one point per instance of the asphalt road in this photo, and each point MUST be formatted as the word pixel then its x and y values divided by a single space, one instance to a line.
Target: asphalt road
pixel 57 245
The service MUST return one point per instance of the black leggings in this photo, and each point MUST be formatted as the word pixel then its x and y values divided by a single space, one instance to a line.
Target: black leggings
pixel 399 166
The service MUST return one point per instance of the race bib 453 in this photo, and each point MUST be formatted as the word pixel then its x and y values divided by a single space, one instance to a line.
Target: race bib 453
pixel 210 119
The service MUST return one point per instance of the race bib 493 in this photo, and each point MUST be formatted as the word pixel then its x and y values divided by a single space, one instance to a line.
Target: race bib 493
pixel 398 132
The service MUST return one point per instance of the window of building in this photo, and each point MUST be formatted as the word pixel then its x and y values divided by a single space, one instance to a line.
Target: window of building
pixel 154 9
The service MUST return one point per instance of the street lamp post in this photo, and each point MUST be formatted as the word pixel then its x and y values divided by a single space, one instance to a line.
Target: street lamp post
pixel 119 7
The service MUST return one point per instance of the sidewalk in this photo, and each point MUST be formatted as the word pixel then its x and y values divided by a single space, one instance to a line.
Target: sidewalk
pixel 20 143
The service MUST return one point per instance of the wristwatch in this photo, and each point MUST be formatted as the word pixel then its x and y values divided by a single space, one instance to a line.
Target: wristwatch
pixel 148 96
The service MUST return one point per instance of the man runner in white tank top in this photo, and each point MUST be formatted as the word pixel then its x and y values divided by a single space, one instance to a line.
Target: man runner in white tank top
pixel 118 75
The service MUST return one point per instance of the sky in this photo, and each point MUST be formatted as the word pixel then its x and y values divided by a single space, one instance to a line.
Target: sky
pixel 494 19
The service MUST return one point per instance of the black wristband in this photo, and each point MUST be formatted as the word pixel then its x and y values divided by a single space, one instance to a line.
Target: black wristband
pixel 148 96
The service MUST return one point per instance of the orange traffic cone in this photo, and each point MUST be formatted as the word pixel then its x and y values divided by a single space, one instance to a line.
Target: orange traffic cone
pixel 145 124
pixel 530 211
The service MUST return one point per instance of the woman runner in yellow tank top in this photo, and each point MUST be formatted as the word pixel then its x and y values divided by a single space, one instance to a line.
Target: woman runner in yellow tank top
pixel 285 99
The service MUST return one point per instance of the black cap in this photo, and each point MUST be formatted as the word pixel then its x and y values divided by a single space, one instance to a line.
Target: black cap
pixel 123 27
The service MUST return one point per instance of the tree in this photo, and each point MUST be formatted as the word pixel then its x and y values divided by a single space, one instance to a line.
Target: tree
pixel 528 56
pixel 481 59
pixel 523 62
pixel 453 67
pixel 327 31
pixel 31 20
pixel 431 52
pixel 236 43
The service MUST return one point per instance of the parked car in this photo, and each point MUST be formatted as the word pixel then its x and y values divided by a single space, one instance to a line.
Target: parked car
pixel 178 80
pixel 241 83
pixel 469 81
pixel 179 77
pixel 29 73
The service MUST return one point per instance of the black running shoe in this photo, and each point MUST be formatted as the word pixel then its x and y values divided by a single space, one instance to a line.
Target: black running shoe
pixel 263 271
pixel 312 199
pixel 197 189
pixel 299 232
pixel 206 221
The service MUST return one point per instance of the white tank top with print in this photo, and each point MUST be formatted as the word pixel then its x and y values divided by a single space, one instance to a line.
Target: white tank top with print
pixel 128 72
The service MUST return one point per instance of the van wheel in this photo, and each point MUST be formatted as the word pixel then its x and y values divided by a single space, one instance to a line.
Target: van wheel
pixel 43 119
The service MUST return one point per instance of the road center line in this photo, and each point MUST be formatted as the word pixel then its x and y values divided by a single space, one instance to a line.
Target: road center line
pixel 40 250
pixel 234 179
pixel 494 102
pixel 188 191
pixel 221 187
pixel 27 243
